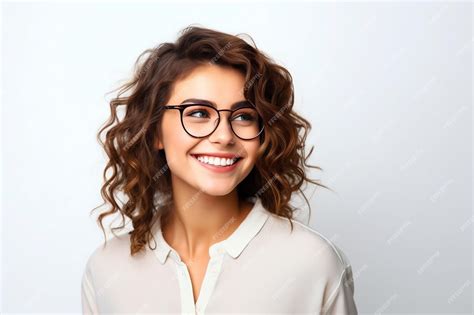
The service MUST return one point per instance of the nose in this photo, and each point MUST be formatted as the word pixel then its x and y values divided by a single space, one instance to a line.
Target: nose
pixel 223 134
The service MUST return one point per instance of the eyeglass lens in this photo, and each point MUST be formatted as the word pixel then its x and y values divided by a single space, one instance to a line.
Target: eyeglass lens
pixel 201 121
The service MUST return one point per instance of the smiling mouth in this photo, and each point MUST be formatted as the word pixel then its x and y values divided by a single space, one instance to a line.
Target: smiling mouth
pixel 237 160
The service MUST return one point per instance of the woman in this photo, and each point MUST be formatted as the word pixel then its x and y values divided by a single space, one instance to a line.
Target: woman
pixel 208 153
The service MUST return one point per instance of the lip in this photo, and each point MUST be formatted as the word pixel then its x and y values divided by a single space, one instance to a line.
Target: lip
pixel 218 169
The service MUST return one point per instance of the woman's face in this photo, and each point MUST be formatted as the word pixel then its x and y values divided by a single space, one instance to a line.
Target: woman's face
pixel 223 87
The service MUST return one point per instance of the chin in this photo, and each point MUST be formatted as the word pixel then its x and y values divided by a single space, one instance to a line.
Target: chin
pixel 216 191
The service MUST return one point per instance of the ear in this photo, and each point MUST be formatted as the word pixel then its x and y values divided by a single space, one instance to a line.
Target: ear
pixel 158 144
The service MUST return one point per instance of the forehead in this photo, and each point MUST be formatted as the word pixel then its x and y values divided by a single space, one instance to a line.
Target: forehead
pixel 221 85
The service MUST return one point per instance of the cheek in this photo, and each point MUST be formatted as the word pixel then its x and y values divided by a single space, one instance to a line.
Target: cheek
pixel 173 133
pixel 177 143
pixel 252 149
pixel 171 136
pixel 252 152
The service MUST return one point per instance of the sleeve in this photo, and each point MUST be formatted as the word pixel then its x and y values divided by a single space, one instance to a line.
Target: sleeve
pixel 88 293
pixel 341 301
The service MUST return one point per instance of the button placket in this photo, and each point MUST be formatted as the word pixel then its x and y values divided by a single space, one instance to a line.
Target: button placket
pixel 210 279
pixel 186 288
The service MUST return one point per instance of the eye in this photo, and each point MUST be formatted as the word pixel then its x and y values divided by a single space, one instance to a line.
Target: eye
pixel 246 117
pixel 192 114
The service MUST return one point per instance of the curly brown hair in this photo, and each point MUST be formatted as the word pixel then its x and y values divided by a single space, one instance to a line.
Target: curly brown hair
pixel 139 171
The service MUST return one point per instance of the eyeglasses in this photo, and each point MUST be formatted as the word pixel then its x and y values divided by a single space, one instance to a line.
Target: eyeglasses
pixel 201 120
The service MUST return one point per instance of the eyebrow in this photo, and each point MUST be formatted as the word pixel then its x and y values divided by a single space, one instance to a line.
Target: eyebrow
pixel 207 102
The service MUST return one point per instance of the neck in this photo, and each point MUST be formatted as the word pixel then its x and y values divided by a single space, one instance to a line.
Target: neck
pixel 197 220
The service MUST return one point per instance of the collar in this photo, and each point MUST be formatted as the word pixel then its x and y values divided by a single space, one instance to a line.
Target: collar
pixel 233 245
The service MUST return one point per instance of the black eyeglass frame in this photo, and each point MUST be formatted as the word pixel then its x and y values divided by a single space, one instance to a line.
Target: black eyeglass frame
pixel 181 109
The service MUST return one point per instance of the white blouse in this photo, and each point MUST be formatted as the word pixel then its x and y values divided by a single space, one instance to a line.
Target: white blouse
pixel 260 268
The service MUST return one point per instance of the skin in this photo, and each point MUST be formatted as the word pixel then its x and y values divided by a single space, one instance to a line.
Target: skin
pixel 207 209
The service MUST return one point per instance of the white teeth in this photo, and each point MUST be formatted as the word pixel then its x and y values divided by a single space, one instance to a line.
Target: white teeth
pixel 216 160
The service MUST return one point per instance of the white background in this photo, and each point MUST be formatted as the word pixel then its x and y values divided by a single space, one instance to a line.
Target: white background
pixel 387 88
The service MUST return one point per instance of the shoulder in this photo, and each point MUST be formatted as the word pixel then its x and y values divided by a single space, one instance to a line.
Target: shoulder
pixel 110 252
pixel 308 248
pixel 312 257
